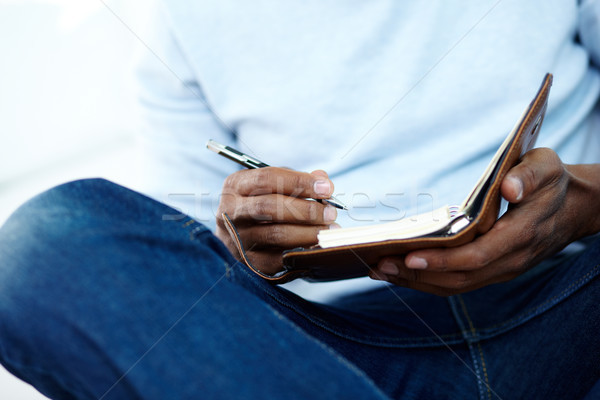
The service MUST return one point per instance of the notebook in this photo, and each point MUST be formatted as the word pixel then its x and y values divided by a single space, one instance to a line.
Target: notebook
pixel 350 252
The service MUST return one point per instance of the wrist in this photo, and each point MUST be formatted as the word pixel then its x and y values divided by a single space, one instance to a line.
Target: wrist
pixel 585 186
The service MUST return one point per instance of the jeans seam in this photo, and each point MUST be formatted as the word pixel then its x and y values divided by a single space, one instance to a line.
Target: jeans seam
pixel 374 341
pixel 466 337
pixel 479 349
pixel 231 274
pixel 199 229
pixel 343 360
pixel 196 231
pixel 531 312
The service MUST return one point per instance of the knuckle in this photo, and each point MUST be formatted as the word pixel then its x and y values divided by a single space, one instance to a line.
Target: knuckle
pixel 225 206
pixel 275 234
pixel 314 211
pixel 231 181
pixel 226 201
pixel 228 182
pixel 547 167
pixel 299 183
pixel 460 282
pixel 261 178
pixel 481 258
pixel 261 209
pixel 553 163
pixel 549 156
pixel 527 233
pixel 442 262
pixel 291 209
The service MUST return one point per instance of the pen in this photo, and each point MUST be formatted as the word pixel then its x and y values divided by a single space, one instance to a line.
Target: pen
pixel 251 162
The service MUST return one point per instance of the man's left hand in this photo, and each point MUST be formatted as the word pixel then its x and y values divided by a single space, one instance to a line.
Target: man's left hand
pixel 552 205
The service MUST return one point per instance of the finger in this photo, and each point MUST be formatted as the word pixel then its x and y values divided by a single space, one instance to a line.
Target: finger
pixel 320 173
pixel 439 282
pixel 269 262
pixel 280 236
pixel 423 287
pixel 266 259
pixel 538 169
pixel 504 238
pixel 454 281
pixel 268 180
pixel 436 289
pixel 279 208
pixel 392 268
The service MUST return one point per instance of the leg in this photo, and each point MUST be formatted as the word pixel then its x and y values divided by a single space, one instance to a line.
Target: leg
pixel 536 336
pixel 101 298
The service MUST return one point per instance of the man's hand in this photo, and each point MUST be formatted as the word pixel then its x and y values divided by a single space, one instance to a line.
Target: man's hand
pixel 269 209
pixel 552 204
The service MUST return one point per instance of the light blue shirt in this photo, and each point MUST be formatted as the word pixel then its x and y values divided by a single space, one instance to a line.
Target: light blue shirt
pixel 402 103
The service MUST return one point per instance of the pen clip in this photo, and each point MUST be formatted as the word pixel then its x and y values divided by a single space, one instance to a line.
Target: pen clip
pixel 251 162
pixel 235 155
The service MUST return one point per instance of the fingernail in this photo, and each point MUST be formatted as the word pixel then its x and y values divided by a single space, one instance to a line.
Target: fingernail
pixel 335 226
pixel 322 187
pixel 416 263
pixel 329 214
pixel 389 268
pixel 519 185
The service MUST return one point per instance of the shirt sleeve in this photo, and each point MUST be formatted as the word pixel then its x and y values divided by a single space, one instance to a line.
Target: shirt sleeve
pixel 176 121
pixel 589 28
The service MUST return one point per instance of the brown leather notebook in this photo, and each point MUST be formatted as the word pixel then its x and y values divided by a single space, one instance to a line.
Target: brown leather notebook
pixel 349 253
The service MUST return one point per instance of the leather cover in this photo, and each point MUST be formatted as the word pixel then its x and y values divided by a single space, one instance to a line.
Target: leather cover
pixel 344 262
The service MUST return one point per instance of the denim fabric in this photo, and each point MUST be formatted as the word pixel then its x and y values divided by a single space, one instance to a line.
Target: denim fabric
pixel 101 297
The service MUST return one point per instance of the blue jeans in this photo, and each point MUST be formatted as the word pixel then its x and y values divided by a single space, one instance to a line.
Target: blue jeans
pixel 100 298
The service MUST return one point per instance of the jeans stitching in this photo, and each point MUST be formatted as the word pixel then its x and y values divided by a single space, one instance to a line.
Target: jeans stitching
pixel 465 332
pixel 333 352
pixel 480 350
pixel 196 230
pixel 425 341
pixel 190 222
pixel 502 326
pixel 228 270
pixel 485 374
pixel 199 229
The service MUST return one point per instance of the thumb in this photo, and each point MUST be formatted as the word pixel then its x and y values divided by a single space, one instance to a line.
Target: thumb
pixel 537 169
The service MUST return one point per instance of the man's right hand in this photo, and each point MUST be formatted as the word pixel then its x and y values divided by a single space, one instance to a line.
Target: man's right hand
pixel 269 209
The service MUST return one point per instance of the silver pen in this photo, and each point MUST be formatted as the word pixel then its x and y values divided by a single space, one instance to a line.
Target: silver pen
pixel 251 162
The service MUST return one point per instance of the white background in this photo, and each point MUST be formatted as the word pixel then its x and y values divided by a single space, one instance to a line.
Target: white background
pixel 67 108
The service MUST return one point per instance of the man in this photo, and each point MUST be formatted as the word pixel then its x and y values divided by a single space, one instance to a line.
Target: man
pixel 108 294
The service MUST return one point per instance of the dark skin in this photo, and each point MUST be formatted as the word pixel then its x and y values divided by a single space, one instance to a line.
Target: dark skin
pixel 552 205
pixel 268 206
